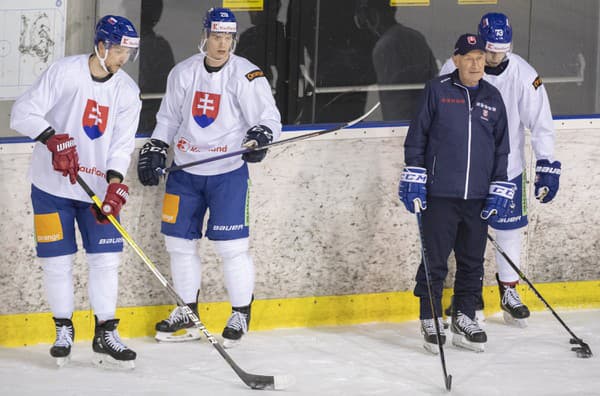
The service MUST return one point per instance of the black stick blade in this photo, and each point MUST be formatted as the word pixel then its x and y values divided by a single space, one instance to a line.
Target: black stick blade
pixel 583 350
pixel 449 383
pixel 268 382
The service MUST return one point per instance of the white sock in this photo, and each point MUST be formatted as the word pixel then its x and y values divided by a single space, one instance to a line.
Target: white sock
pixel 58 284
pixel 510 242
pixel 238 270
pixel 186 268
pixel 103 283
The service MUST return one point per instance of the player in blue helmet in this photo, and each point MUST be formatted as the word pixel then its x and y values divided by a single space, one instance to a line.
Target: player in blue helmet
pixel 527 107
pixel 83 113
pixel 230 104
pixel 495 29
pixel 115 42
pixel 222 25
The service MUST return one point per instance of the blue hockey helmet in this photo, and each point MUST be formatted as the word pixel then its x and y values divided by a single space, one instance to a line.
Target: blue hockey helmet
pixel 495 29
pixel 117 30
pixel 220 20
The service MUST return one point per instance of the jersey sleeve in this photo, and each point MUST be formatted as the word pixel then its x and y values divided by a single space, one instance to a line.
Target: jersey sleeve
pixel 256 102
pixel 170 113
pixel 29 110
pixel 448 67
pixel 501 137
pixel 123 142
pixel 536 115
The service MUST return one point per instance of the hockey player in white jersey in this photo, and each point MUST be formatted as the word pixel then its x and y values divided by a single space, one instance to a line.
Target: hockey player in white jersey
pixel 82 112
pixel 215 102
pixel 527 107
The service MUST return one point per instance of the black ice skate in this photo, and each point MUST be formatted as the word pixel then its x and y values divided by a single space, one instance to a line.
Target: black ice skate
pixel 430 335
pixel 237 326
pixel 467 333
pixel 108 347
pixel 178 326
pixel 514 311
pixel 65 334
pixel 479 315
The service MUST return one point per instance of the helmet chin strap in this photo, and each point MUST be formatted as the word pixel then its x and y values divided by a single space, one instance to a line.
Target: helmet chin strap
pixel 102 64
pixel 202 45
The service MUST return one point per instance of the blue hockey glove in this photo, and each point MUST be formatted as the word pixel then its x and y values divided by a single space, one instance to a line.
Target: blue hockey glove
pixel 257 136
pixel 413 187
pixel 546 179
pixel 499 201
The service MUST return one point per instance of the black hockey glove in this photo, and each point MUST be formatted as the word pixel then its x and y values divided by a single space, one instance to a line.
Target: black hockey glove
pixel 153 155
pixel 256 137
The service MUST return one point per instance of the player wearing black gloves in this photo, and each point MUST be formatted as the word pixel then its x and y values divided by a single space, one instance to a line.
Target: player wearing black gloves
pixel 215 102
pixel 153 155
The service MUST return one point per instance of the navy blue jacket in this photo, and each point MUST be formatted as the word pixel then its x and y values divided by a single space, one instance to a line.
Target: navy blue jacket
pixel 461 139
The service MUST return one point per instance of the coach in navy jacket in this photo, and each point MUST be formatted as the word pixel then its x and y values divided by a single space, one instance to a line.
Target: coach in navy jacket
pixel 455 151
pixel 461 139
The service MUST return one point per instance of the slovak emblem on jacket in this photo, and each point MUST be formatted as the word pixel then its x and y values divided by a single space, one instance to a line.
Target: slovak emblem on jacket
pixel 205 108
pixel 94 119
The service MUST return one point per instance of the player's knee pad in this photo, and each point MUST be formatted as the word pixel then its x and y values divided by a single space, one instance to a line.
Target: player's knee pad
pixel 103 261
pixel 181 245
pixel 509 236
pixel 57 267
pixel 231 249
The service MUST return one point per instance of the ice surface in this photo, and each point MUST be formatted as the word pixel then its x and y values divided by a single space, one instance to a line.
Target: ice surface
pixel 370 359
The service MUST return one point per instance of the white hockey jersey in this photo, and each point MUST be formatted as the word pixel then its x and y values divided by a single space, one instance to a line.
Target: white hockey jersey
pixel 527 106
pixel 206 114
pixel 102 118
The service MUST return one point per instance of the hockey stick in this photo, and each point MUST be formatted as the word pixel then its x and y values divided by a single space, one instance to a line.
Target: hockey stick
pixel 583 350
pixel 254 381
pixel 447 377
pixel 163 171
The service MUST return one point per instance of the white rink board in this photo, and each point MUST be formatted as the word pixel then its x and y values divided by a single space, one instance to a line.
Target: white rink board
pixel 325 220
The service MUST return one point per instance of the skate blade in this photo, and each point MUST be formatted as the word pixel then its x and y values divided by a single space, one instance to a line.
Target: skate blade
pixel 460 341
pixel 431 348
pixel 512 321
pixel 190 334
pixel 228 344
pixel 105 361
pixel 63 361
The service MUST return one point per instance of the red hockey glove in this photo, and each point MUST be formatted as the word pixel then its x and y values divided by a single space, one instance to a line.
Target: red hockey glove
pixel 116 196
pixel 64 155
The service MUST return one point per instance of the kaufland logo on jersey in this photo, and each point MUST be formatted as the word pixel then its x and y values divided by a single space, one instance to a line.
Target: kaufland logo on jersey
pixel 184 145
pixel 205 108
pixel 94 119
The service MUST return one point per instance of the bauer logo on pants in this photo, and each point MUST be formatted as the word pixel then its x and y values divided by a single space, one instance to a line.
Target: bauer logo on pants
pixel 94 119
pixel 205 108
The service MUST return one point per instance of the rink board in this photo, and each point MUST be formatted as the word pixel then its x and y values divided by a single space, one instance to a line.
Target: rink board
pixel 30 329
pixel 325 221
